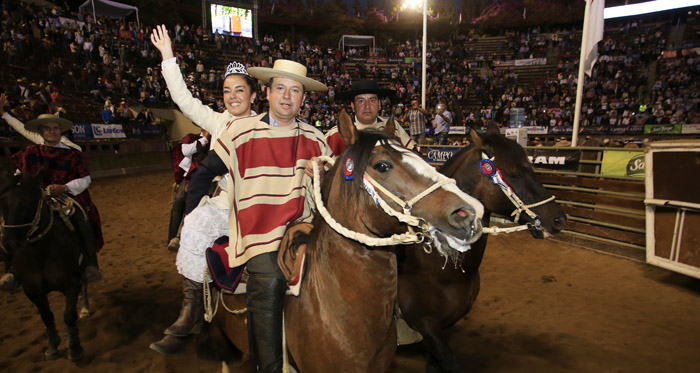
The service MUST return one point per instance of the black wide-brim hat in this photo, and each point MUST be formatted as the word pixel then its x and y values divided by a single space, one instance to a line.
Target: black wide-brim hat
pixel 360 87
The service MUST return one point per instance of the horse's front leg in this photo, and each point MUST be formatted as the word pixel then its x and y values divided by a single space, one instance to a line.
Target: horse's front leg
pixel 42 303
pixel 440 356
pixel 70 317
pixel 85 310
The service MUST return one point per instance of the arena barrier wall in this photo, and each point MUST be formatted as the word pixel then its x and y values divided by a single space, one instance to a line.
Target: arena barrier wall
pixel 108 157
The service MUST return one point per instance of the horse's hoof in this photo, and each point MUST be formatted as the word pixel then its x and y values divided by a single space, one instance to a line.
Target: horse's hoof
pixel 84 312
pixel 75 354
pixel 51 354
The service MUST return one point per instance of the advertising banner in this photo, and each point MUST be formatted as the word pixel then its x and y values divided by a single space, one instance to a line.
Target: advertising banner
pixel 536 130
pixel 458 130
pixel 690 129
pixel 554 159
pixel 81 131
pixel 623 163
pixel 560 130
pixel 662 129
pixel 441 154
pixel 618 130
pixel 635 129
pixel 108 131
pixel 531 62
pixel 594 130
pixel 146 131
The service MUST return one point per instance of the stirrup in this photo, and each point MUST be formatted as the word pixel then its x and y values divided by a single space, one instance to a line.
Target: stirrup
pixel 174 244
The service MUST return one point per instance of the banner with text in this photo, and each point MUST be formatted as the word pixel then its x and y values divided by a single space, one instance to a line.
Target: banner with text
pixel 108 131
pixel 623 163
pixel 81 131
pixel 146 131
pixel 554 159
pixel 662 129
pixel 441 154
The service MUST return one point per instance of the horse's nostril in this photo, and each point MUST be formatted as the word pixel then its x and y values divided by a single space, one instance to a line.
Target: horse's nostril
pixel 462 213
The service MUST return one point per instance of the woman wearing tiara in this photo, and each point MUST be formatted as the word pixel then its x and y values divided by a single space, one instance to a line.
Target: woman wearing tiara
pixel 209 220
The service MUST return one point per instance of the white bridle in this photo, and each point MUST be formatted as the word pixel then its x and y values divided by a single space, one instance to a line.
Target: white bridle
pixel 495 174
pixel 371 186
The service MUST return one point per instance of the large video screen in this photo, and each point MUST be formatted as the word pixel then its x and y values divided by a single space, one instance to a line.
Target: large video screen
pixel 230 20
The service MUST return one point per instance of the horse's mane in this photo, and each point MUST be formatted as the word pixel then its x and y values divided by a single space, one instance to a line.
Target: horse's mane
pixel 455 157
pixel 509 152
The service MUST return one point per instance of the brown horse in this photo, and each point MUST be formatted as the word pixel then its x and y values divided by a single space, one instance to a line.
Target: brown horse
pixel 432 299
pixel 343 320
pixel 45 255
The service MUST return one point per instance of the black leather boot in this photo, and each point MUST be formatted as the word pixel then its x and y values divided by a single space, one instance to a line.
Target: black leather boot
pixel 177 213
pixel 191 313
pixel 171 345
pixel 87 237
pixel 265 305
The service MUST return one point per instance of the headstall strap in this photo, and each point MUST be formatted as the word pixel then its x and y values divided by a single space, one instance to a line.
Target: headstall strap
pixel 488 168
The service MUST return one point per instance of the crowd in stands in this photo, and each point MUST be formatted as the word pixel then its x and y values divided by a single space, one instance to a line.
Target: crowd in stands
pixel 630 84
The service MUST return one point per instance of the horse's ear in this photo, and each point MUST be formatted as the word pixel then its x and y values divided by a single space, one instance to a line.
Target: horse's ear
pixel 492 128
pixel 346 128
pixel 476 139
pixel 390 127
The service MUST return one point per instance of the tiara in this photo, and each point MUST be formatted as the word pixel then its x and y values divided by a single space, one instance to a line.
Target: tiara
pixel 236 68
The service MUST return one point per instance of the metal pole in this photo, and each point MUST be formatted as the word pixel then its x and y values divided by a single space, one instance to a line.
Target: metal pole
pixel 423 54
pixel 94 14
pixel 581 74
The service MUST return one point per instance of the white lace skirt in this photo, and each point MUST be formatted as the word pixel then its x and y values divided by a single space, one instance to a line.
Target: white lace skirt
pixel 200 229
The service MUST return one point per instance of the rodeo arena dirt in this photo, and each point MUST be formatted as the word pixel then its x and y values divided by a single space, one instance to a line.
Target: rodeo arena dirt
pixel 544 306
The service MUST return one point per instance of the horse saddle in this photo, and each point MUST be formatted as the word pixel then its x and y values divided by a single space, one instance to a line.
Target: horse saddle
pixel 290 259
pixel 292 254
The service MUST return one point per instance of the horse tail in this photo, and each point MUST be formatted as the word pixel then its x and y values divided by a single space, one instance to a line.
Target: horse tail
pixel 212 345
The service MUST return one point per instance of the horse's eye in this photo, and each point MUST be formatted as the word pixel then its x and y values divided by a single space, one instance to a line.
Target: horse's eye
pixel 382 166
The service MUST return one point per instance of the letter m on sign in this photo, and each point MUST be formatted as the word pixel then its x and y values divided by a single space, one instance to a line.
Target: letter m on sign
pixel 557 160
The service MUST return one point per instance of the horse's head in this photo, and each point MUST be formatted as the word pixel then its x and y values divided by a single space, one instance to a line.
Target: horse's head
pixel 19 198
pixel 376 183
pixel 491 166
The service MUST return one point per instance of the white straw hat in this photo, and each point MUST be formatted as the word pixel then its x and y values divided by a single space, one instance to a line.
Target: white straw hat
pixel 33 125
pixel 287 69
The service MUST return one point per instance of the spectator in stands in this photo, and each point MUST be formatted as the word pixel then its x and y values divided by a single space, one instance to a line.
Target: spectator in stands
pixel 416 121
pixel 145 117
pixel 107 116
pixel 441 123
pixel 123 112
pixel 365 101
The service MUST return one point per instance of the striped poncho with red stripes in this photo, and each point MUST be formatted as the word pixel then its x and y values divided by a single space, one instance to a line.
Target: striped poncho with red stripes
pixel 268 187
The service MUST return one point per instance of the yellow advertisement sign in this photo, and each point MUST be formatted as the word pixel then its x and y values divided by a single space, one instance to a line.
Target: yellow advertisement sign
pixel 623 163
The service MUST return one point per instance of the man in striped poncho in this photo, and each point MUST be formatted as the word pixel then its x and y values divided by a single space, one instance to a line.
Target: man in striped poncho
pixel 266 156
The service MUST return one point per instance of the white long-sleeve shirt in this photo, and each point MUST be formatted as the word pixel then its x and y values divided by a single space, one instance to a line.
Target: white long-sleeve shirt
pixel 202 115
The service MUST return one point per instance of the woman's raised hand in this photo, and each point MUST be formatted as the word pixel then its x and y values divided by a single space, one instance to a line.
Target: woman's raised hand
pixel 161 40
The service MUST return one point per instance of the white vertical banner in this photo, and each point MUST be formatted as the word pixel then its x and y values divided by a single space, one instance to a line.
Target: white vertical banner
pixel 593 23
pixel 594 32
